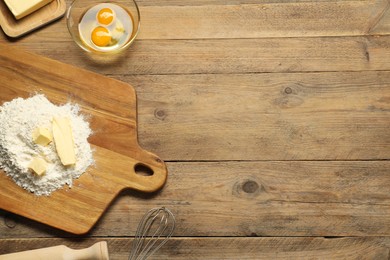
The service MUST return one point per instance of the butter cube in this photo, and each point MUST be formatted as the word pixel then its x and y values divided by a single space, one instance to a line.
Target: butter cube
pixel 63 139
pixel 21 8
pixel 38 165
pixel 42 136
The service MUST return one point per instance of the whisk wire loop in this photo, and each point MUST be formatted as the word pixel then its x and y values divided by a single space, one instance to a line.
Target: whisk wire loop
pixel 153 231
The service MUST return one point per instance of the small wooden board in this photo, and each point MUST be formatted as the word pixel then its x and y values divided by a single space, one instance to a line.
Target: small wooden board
pixel 15 28
pixel 111 105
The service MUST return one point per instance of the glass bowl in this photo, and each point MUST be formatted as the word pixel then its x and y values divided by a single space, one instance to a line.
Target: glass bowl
pixel 81 28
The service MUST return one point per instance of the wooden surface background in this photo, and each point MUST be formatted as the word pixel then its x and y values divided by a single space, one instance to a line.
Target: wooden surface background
pixel 273 118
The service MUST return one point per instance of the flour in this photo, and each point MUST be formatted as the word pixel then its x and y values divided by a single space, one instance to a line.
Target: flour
pixel 18 119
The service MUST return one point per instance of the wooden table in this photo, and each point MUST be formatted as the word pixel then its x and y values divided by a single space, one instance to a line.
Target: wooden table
pixel 273 119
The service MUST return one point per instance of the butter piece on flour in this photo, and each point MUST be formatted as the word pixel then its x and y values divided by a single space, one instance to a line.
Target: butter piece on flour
pixel 63 139
pixel 38 165
pixel 42 136
pixel 21 8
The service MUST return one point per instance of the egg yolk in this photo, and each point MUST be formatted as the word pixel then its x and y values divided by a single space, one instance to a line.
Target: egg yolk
pixel 101 36
pixel 105 16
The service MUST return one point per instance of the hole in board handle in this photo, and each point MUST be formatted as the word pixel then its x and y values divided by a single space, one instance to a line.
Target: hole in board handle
pixel 143 170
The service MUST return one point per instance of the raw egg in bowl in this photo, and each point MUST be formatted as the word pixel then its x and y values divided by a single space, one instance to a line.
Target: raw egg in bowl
pixel 103 27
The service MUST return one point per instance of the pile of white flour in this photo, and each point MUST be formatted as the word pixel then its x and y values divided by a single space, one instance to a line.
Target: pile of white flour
pixel 18 119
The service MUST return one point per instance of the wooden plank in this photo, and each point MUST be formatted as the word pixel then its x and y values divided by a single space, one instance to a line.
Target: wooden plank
pixel 226 2
pixel 249 19
pixel 276 248
pixel 267 199
pixel 262 20
pixel 295 116
pixel 293 198
pixel 231 55
pixel 382 23
pixel 228 248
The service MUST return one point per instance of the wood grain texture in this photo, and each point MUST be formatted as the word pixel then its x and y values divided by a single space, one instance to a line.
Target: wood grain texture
pixel 294 116
pixel 232 56
pixel 273 116
pixel 252 19
pixel 227 2
pixel 230 248
pixel 292 198
pixel 114 144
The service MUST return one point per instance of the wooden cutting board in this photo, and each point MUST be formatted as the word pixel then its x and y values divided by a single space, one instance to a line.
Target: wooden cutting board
pixel 111 105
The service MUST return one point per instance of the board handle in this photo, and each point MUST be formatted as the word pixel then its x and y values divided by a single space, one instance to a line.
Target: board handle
pixel 148 174
pixel 142 171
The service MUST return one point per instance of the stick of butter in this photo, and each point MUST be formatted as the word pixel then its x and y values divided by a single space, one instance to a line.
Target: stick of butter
pixel 21 8
pixel 38 165
pixel 63 139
